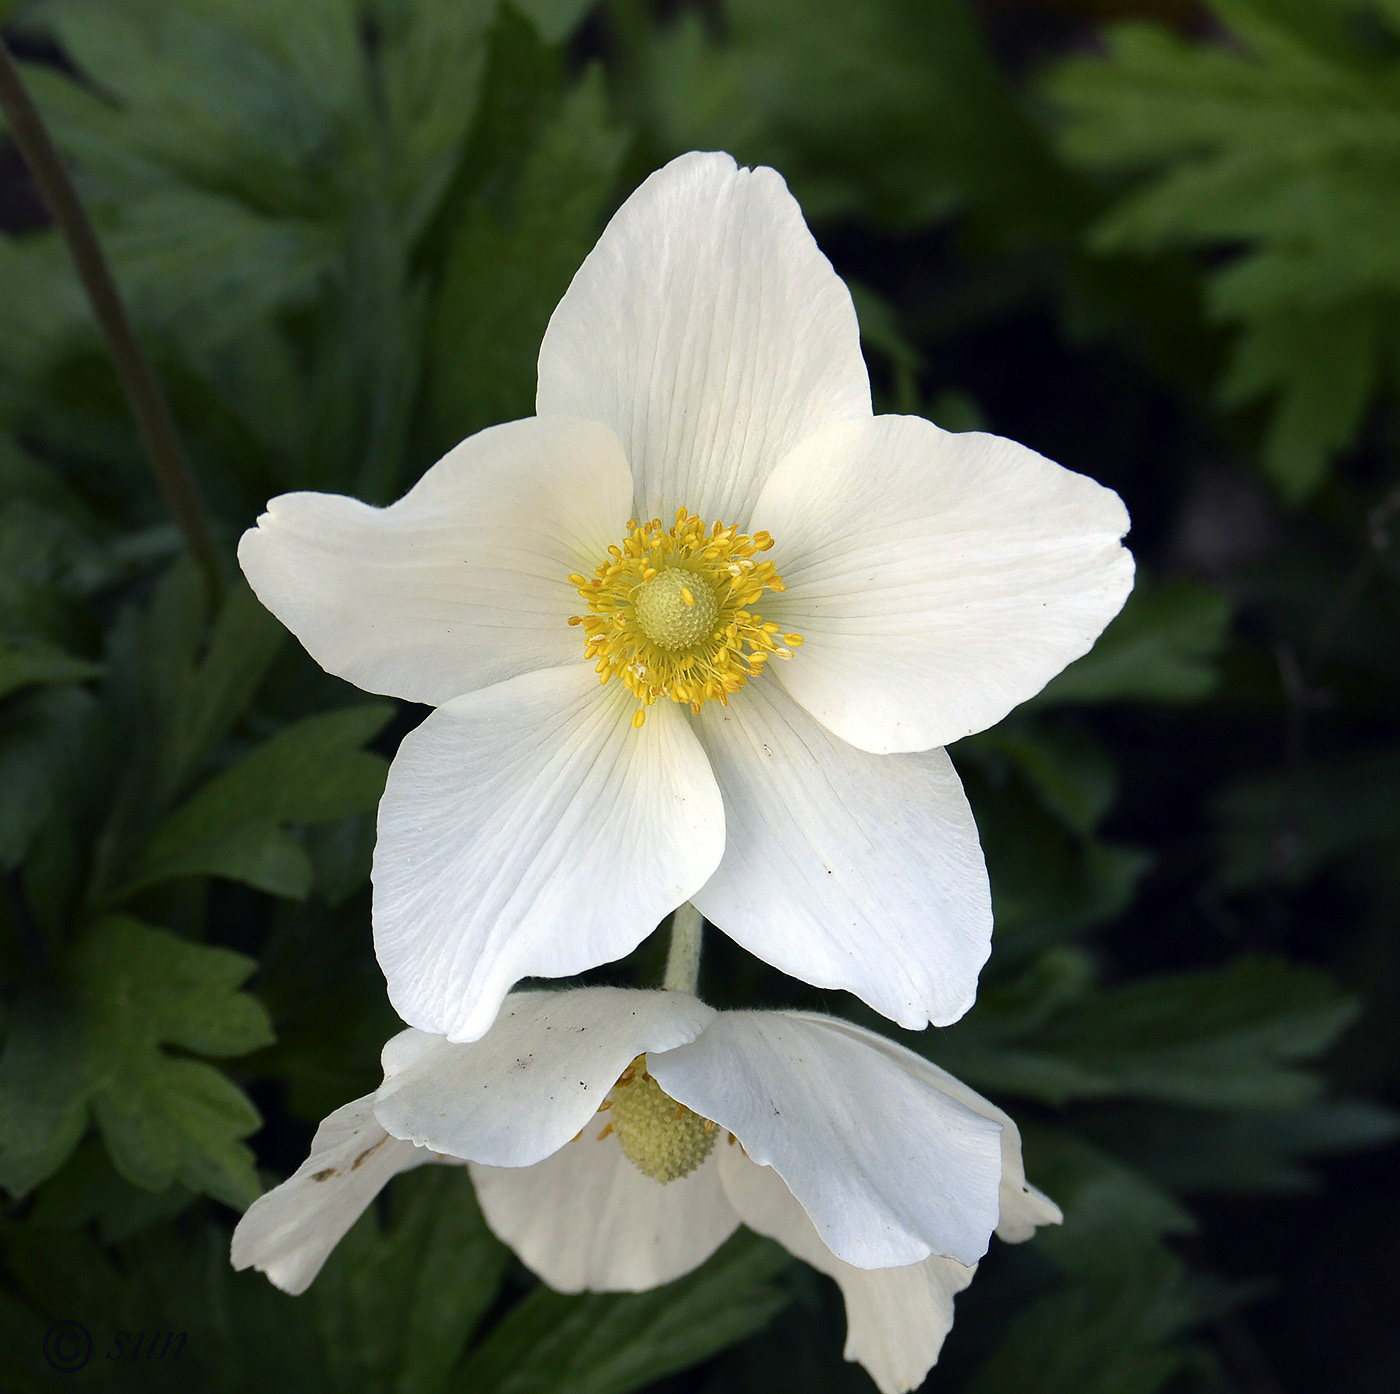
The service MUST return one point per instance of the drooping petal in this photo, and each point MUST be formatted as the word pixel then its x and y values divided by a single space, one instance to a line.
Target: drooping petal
pixel 529 829
pixel 889 1168
pixel 535 1078
pixel 289 1232
pixel 1022 1207
pixel 461 583
pixel 587 1220
pixel 896 1318
pixel 710 333
pixel 938 580
pixel 845 869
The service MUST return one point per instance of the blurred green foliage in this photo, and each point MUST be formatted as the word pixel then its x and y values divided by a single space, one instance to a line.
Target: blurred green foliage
pixel 341 226
pixel 1285 148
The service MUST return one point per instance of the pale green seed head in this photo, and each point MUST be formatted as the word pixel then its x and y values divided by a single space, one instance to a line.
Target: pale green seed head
pixel 658 1136
pixel 676 608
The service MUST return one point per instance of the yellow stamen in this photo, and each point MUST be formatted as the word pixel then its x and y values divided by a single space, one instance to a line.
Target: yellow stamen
pixel 670 612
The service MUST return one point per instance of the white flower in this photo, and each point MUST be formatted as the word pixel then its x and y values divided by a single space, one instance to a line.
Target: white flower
pixel 859 1156
pixel 704 366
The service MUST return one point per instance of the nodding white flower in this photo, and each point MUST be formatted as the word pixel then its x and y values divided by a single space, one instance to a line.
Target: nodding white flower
pixel 617 1137
pixel 792 605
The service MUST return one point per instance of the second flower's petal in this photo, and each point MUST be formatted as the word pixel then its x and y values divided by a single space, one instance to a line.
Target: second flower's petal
pixel 529 829
pixel 710 333
pixel 896 1318
pixel 587 1220
pixel 889 1168
pixel 461 583
pixel 1022 1207
pixel 846 869
pixel 535 1078
pixel 289 1232
pixel 938 580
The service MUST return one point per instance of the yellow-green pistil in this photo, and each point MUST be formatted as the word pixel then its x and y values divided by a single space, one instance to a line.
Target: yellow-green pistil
pixel 676 609
pixel 661 1138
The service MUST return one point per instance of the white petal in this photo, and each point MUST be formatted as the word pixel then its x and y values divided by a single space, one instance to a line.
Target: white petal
pixel 845 869
pixel 710 333
pixel 938 580
pixel 530 829
pixel 1022 1206
pixel 461 583
pixel 289 1233
pixel 889 1168
pixel 896 1318
pixel 587 1219
pixel 535 1078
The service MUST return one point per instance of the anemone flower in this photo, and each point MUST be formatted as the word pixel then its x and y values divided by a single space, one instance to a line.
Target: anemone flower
pixel 791 604
pixel 617 1137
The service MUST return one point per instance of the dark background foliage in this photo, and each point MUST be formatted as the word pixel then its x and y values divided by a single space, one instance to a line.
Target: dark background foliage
pixel 1154 240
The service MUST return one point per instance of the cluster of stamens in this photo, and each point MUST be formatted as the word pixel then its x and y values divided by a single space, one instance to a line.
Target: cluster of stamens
pixel 661 1138
pixel 669 612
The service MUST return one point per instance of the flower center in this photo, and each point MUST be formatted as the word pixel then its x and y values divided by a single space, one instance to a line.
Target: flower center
pixel 661 1138
pixel 676 609
pixel 669 612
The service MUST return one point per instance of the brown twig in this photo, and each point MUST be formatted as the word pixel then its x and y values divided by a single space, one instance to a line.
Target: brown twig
pixel 143 393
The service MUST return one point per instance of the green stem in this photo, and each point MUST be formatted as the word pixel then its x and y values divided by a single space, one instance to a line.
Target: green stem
pixel 143 393
pixel 683 959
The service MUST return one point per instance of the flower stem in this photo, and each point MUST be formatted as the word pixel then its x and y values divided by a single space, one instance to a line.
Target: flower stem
pixel 143 393
pixel 683 958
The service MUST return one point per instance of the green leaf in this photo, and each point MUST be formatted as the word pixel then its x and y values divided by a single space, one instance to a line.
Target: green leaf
pixel 43 1091
pixel 241 1332
pixel 1281 148
pixel 1243 1153
pixel 1290 827
pixel 507 268
pixel 1113 1214
pixel 1110 1328
pixel 40 313
pixel 886 109
pixel 34 665
pixel 610 1343
pixel 331 1029
pixel 1080 1340
pixel 45 736
pixel 88 1189
pixel 216 691
pixel 396 1305
pixel 341 853
pixel 313 771
pixel 880 330
pixel 555 19
pixel 238 99
pixel 98 1047
pixel 1324 367
pixel 1162 647
pixel 53 552
pixel 1072 776
pixel 174 690
pixel 1048 880
pixel 431 57
pixel 1223 1038
pixel 209 270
